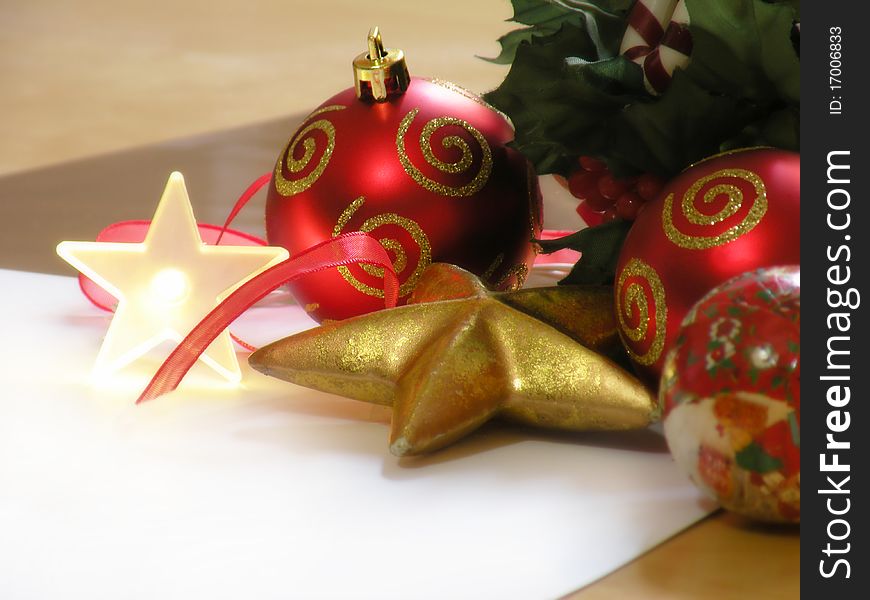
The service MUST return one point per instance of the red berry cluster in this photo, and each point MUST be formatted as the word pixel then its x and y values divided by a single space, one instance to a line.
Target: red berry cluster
pixel 604 197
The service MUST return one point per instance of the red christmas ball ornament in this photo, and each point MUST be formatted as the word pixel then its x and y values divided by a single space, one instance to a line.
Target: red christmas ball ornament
pixel 731 394
pixel 724 216
pixel 420 164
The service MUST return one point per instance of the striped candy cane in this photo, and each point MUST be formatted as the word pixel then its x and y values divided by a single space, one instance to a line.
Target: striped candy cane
pixel 658 39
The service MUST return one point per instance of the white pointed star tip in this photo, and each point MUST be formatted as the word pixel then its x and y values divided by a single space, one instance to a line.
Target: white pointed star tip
pixel 174 190
pixel 62 250
pixel 67 251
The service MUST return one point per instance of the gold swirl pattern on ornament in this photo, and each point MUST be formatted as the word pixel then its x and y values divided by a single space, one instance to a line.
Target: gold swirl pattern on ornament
pixel 732 206
pixel 346 215
pixel 490 271
pixel 634 295
pixel 290 187
pixel 400 257
pixel 520 271
pixel 450 141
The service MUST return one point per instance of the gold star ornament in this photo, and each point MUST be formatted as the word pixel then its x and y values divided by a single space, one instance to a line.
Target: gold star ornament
pixel 458 355
pixel 166 284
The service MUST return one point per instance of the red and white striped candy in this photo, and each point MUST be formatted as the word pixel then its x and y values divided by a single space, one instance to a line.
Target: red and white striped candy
pixel 658 39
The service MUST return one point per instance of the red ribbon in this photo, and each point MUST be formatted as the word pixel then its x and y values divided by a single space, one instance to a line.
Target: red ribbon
pixel 243 200
pixel 350 248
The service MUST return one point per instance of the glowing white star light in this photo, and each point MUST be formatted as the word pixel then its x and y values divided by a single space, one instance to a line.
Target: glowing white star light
pixel 166 284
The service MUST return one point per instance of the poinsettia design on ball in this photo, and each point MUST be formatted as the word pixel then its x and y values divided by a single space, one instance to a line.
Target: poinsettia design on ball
pixel 732 419
pixel 753 461
pixel 724 331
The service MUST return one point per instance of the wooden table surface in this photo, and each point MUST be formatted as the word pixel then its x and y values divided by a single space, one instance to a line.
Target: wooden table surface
pixel 91 77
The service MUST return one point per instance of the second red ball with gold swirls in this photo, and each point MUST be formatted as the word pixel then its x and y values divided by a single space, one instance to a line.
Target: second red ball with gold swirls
pixel 420 164
pixel 724 216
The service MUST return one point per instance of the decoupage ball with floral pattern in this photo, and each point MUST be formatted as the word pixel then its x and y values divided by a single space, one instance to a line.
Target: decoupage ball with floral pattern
pixel 730 393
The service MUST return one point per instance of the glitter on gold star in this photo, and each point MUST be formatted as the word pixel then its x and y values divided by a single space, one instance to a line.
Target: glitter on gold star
pixel 167 283
pixel 458 355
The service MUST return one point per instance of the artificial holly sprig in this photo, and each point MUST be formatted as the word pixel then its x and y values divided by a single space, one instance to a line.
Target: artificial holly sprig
pixel 603 21
pixel 570 96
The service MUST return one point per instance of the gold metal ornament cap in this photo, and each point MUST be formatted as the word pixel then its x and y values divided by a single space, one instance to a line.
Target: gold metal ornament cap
pixel 380 72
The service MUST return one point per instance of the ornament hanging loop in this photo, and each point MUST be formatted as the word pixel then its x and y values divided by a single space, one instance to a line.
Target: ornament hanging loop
pixel 380 72
pixel 376 45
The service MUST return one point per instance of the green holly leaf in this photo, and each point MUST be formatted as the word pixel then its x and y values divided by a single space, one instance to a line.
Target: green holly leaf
pixel 754 458
pixel 599 248
pixel 511 41
pixel 794 4
pixel 743 49
pixel 684 125
pixel 557 94
pixel 780 129
pixel 603 21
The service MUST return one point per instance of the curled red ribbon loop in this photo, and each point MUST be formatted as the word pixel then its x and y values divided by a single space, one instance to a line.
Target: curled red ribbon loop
pixel 350 248
pixel 246 196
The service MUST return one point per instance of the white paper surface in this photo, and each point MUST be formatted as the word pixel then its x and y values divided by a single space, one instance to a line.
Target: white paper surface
pixel 274 491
